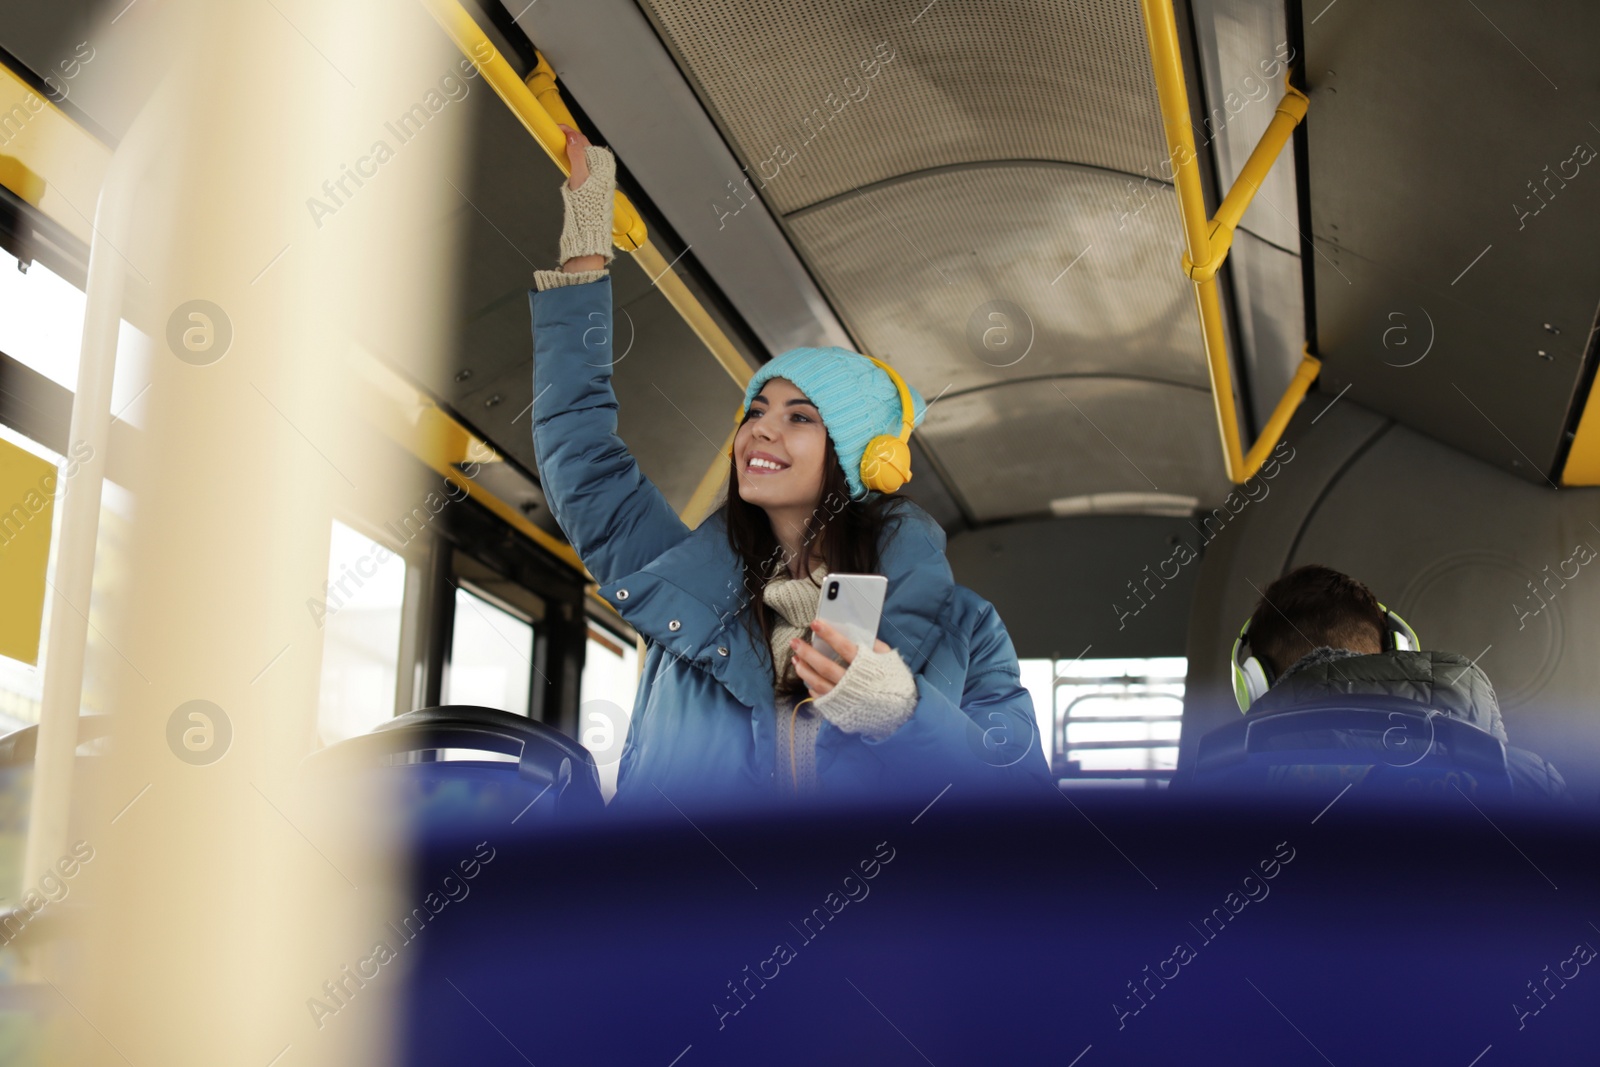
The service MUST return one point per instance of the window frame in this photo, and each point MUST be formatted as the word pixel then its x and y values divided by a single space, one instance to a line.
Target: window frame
pixel 1123 686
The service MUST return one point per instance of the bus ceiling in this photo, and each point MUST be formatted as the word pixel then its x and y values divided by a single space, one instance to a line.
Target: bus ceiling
pixel 992 206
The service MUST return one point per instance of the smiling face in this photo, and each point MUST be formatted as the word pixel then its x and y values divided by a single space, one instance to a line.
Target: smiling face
pixel 779 450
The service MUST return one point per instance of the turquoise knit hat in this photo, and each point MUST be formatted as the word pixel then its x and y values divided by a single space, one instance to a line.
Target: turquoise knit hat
pixel 855 397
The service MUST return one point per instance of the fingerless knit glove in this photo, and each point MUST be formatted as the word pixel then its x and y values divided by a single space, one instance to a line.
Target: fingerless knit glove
pixel 586 227
pixel 876 696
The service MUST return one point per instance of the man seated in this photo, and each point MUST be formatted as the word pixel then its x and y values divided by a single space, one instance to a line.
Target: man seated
pixel 1318 634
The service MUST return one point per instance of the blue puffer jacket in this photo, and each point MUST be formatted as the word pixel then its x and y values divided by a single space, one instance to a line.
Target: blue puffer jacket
pixel 703 727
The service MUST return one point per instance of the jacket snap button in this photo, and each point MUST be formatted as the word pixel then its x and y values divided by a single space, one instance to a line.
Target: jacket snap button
pixel 622 594
pixel 722 651
pixel 674 625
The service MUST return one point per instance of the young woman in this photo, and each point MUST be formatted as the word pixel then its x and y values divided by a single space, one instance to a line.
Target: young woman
pixel 734 702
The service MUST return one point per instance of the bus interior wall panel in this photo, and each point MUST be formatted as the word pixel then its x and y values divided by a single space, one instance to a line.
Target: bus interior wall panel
pixel 1454 216
pixel 1134 600
pixel 504 33
pixel 1247 546
pixel 1580 405
pixel 1301 211
pixel 509 211
pixel 648 112
pixel 480 534
pixel 507 207
pixel 30 236
pixel 510 482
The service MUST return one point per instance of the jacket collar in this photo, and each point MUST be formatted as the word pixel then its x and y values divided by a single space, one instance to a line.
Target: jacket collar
pixel 1443 680
pixel 698 585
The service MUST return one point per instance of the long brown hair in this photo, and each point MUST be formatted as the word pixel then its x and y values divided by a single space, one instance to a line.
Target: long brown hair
pixel 842 533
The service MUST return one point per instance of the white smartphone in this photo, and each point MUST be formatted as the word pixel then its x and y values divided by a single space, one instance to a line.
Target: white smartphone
pixel 853 604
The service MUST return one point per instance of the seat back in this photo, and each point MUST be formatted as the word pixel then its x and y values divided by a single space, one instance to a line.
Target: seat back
pixel 1380 743
pixel 553 776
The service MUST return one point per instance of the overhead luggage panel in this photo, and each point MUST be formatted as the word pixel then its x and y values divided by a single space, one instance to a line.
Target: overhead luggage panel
pixel 1243 47
pixel 1455 205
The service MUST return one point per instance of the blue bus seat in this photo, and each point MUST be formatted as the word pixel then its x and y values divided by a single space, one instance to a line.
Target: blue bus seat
pixel 553 776
pixel 1378 743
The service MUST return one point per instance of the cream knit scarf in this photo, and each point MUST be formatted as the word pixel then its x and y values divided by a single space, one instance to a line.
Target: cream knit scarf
pixel 794 604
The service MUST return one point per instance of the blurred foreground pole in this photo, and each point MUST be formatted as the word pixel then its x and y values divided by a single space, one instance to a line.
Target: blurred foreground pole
pixel 88 435
pixel 214 901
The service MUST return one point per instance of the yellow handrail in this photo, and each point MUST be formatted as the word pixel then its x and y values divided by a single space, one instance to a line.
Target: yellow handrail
pixel 627 229
pixel 543 83
pixel 1210 239
pixel 538 106
pixel 1583 458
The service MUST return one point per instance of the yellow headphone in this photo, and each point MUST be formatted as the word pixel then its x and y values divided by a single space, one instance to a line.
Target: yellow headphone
pixel 886 461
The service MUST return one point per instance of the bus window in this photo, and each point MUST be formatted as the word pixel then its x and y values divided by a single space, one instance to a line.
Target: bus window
pixel 1038 678
pixel 21 684
pixel 361 635
pixel 42 330
pixel 610 682
pixel 43 324
pixel 491 656
pixel 1116 721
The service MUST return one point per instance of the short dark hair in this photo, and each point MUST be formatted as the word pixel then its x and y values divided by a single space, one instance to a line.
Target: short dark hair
pixel 1312 607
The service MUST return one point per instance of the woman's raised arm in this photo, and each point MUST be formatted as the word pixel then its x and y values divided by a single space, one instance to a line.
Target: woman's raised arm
pixel 615 518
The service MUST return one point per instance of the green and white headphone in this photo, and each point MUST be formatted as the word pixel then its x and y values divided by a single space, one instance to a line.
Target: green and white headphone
pixel 1250 681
